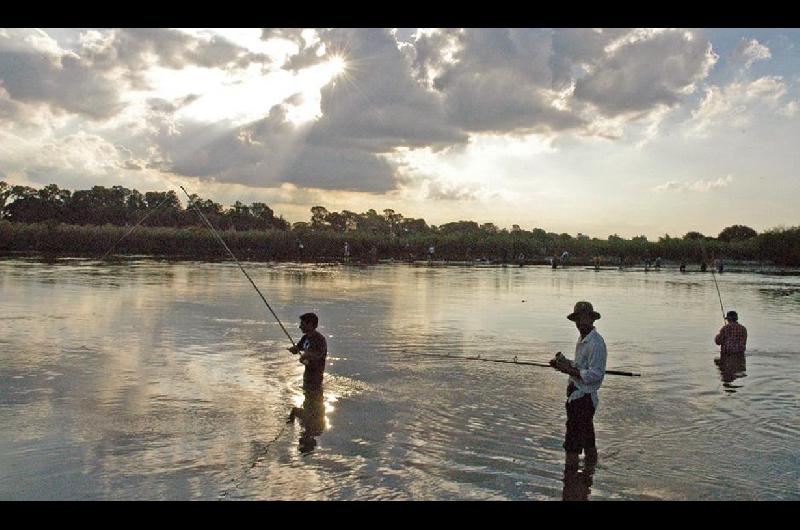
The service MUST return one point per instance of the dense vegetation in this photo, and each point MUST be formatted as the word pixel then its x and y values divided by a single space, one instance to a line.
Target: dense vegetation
pixel 90 222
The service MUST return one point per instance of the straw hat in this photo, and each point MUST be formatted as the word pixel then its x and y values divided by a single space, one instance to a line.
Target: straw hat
pixel 583 308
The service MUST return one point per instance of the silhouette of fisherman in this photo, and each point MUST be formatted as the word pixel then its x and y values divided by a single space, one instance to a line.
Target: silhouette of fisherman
pixel 314 349
pixel 732 337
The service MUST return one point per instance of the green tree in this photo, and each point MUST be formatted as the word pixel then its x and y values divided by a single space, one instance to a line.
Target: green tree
pixel 694 235
pixel 5 192
pixel 318 215
pixel 736 233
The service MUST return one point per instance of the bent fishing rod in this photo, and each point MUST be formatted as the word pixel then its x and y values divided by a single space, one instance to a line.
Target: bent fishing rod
pixel 214 231
pixel 514 361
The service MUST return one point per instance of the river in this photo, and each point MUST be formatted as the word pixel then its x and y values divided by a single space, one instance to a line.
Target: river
pixel 149 379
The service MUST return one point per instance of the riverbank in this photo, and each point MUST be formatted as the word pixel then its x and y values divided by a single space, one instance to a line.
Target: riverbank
pixel 730 268
pixel 511 249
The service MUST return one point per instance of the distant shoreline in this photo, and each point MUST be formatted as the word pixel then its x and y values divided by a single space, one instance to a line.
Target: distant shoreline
pixel 749 267
pixel 310 246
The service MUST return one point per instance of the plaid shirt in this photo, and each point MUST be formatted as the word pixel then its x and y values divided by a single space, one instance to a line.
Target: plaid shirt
pixel 732 338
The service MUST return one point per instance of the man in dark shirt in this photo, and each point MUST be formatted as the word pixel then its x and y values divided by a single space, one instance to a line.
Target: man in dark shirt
pixel 312 413
pixel 314 348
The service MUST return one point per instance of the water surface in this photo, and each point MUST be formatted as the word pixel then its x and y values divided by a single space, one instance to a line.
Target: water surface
pixel 145 379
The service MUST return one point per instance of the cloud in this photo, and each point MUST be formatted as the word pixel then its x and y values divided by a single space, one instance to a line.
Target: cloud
pixel 442 192
pixel 92 80
pixel 270 152
pixel 80 157
pixel 170 107
pixel 432 91
pixel 139 48
pixel 736 104
pixel 750 51
pixel 643 73
pixel 516 81
pixel 697 186
pixel 41 73
pixel 496 80
pixel 376 108
pixel 436 89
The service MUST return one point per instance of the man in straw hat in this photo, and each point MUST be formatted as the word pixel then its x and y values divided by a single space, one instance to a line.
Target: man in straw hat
pixel 586 374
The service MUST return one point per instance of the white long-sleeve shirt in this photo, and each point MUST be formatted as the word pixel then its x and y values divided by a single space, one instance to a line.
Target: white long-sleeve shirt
pixel 590 359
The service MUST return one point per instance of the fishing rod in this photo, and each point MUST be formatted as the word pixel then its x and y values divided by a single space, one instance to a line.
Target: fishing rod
pixel 719 295
pixel 714 276
pixel 191 202
pixel 135 226
pixel 514 361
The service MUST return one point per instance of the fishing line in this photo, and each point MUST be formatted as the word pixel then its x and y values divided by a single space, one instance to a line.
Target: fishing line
pixel 191 202
pixel 134 226
pixel 238 482
pixel 514 361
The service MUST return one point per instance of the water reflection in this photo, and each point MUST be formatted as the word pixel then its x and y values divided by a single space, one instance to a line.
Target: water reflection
pixel 577 483
pixel 731 367
pixel 159 380
pixel 311 417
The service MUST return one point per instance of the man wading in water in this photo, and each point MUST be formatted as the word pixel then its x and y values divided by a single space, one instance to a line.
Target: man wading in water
pixel 586 375
pixel 312 413
pixel 732 338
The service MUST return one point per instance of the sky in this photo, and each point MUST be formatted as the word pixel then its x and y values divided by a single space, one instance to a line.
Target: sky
pixel 598 131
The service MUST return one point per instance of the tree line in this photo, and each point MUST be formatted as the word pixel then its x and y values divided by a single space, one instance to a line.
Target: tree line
pixel 121 206
pixel 256 233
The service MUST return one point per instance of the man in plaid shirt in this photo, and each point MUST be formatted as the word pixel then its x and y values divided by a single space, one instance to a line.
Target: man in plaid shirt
pixel 732 338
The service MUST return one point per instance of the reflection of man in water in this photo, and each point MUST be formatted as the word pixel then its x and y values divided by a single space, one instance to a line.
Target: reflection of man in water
pixel 731 367
pixel 315 350
pixel 577 483
pixel 311 416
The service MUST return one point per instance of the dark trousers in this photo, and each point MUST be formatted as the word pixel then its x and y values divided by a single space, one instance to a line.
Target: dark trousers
pixel 580 428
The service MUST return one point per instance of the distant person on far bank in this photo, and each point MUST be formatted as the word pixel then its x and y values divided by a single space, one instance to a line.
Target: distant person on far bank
pixel 732 338
pixel 586 374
